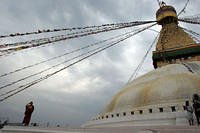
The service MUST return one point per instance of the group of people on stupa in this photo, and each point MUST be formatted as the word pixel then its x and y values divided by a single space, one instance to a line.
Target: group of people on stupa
pixel 195 108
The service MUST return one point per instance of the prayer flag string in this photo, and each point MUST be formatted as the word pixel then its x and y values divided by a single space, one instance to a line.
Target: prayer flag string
pixel 25 86
pixel 43 41
pixel 73 51
pixel 68 29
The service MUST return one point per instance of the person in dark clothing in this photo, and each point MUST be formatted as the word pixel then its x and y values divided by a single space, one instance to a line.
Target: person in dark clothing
pixel 196 108
pixel 28 113
pixel 1 125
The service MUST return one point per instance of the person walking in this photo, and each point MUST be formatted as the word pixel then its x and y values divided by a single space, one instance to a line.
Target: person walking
pixel 196 107
pixel 28 112
pixel 189 110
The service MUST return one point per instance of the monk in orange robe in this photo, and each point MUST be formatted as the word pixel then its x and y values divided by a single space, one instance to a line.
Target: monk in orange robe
pixel 28 113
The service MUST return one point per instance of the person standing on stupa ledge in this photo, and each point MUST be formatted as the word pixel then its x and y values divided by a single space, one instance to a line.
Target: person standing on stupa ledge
pixel 189 113
pixel 28 113
pixel 196 107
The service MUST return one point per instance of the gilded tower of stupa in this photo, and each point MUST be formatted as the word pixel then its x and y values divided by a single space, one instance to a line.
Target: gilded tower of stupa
pixel 158 97
pixel 174 44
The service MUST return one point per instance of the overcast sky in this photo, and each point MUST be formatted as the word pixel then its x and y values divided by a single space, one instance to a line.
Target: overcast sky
pixel 79 93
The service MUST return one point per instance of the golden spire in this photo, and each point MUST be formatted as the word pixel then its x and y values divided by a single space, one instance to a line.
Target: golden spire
pixel 173 43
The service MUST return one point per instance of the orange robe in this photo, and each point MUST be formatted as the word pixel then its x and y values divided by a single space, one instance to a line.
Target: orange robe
pixel 28 113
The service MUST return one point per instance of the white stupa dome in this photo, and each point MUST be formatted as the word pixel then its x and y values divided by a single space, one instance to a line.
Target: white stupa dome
pixel 160 92
pixel 170 83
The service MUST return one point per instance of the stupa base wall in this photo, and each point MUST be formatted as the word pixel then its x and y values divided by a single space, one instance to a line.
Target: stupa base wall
pixel 157 119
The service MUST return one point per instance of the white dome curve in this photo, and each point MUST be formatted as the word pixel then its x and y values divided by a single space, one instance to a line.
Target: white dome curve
pixel 168 84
